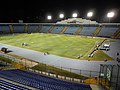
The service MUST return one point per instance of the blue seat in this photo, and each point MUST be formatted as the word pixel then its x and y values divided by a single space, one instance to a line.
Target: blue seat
pixel 33 28
pixel 9 86
pixel 45 29
pixel 88 31
pixel 18 29
pixel 41 82
pixel 4 29
pixel 71 30
pixel 57 29
pixel 107 31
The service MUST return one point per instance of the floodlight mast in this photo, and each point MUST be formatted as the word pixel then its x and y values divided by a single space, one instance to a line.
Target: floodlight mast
pixel 110 15
pixel 89 15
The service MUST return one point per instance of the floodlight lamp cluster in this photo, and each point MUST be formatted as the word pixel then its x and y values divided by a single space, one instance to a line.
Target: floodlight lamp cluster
pixel 49 17
pixel 89 14
pixel 75 15
pixel 110 14
pixel 61 15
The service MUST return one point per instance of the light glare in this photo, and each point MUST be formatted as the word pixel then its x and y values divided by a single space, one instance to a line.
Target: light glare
pixel 90 14
pixel 110 14
pixel 74 15
pixel 61 15
pixel 49 17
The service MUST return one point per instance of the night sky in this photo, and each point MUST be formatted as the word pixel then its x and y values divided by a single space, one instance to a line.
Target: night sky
pixel 37 10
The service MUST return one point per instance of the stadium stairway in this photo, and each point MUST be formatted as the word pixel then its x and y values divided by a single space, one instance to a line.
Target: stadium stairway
pixel 116 34
pixel 79 30
pixel 26 28
pixel 39 28
pixel 64 29
pixel 51 28
pixel 98 29
pixel 11 28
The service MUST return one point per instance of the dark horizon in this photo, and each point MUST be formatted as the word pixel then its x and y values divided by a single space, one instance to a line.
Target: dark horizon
pixel 36 11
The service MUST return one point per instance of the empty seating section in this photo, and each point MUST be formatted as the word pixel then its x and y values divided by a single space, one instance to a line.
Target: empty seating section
pixel 71 29
pixel 88 31
pixel 4 29
pixel 107 31
pixel 45 29
pixel 18 28
pixel 32 28
pixel 41 82
pixel 4 85
pixel 57 29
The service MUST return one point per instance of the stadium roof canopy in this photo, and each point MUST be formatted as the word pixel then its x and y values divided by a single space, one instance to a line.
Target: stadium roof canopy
pixel 77 21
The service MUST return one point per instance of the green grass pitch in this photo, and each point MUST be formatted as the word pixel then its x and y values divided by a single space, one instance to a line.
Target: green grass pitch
pixel 62 45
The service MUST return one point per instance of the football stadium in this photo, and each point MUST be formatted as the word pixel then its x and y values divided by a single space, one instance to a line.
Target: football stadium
pixel 71 54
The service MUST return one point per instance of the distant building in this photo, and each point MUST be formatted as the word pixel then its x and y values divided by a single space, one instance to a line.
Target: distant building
pixel 20 21
pixel 77 21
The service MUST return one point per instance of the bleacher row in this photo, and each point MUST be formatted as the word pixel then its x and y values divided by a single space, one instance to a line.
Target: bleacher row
pixel 36 81
pixel 5 85
pixel 85 30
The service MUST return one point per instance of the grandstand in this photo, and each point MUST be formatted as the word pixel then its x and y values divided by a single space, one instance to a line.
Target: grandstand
pixel 75 26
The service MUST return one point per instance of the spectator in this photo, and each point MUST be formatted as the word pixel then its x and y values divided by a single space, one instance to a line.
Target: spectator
pixel 44 53
pixel 117 54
